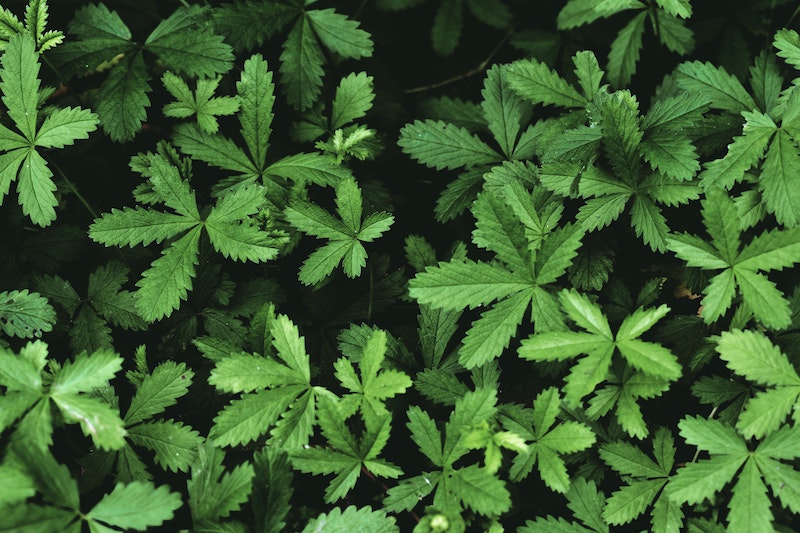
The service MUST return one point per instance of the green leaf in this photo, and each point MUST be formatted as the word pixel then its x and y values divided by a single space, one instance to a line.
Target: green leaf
pixel 169 278
pixel 456 285
pixel 159 390
pixel 174 444
pixel 779 183
pixel 340 34
pixel 743 153
pixel 678 8
pixel 86 373
pixel 136 506
pixel 52 479
pixel 25 314
pixel 213 492
pixel 98 421
pixel 345 234
pixel 245 419
pixel 589 73
pixel 213 149
pixel 505 112
pixel 19 82
pixel 439 145
pixel 490 334
pixel 256 95
pixel 787 42
pixel 537 83
pixel 122 99
pixel 480 491
pixel 201 102
pixel 186 43
pixel 624 53
pixel 352 519
pixel 724 90
pixel 301 65
pixel 352 100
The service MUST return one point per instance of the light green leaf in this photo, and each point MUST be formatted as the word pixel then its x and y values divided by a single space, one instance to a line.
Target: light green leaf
pixel 724 90
pixel 537 83
pixel 491 333
pixel 86 373
pixel 787 42
pixel 743 153
pixel 779 181
pixel 624 53
pixel 340 34
pixel 352 100
pixel 97 419
pixel 439 145
pixel 64 126
pixel 169 278
pixel 585 313
pixel 213 492
pixel 136 506
pixel 175 445
pixel 301 65
pixel 456 285
pixel 695 482
pixel 352 519
pixel 122 99
pixel 23 313
pixel 503 109
pixel 159 390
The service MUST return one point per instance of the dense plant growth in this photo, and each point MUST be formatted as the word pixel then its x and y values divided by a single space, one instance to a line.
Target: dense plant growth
pixel 441 266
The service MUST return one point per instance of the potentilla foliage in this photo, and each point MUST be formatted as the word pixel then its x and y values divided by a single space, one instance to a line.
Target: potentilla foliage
pixel 440 266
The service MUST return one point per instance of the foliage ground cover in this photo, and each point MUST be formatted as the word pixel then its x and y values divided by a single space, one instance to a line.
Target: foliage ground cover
pixel 400 265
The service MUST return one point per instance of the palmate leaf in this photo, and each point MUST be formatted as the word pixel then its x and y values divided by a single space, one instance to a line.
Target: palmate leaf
pixel 769 251
pixel 345 234
pixel 599 345
pixel 645 488
pixel 346 454
pixel 548 440
pixel 169 277
pixel 751 355
pixel 213 492
pixel 200 102
pixel 730 457
pixel 19 85
pixel 69 388
pixel 283 396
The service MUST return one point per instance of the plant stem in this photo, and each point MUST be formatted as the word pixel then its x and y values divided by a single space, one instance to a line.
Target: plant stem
pixel 477 70
pixel 74 189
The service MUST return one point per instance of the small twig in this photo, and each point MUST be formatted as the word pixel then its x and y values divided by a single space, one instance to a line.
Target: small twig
pixel 477 70
pixel 74 189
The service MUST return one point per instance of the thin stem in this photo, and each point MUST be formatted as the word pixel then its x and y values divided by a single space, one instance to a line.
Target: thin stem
pixel 74 189
pixel 477 70
pixel 371 284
